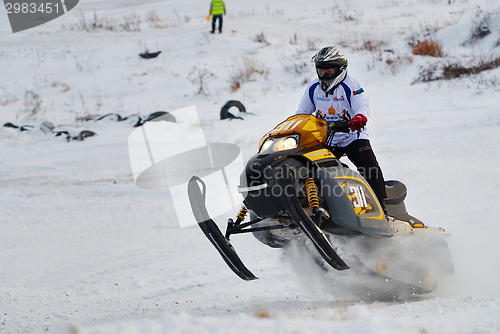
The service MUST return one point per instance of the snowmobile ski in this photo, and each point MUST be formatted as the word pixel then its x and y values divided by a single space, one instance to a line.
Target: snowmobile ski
pixel 211 230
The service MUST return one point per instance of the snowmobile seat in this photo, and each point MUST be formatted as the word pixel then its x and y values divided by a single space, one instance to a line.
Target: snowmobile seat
pixel 396 192
pixel 394 203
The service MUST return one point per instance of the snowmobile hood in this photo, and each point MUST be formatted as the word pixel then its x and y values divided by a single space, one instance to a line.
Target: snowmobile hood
pixel 312 130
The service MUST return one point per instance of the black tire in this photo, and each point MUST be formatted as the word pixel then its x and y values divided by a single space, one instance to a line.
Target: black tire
pixel 160 116
pixel 84 134
pixel 224 111
pixel 111 117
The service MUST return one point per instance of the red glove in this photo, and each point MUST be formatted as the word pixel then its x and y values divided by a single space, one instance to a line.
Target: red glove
pixel 357 122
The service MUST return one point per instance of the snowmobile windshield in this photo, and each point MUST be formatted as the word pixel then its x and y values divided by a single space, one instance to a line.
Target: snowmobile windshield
pixel 312 130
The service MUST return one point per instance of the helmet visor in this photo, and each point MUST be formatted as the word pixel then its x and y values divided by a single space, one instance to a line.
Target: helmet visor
pixel 326 73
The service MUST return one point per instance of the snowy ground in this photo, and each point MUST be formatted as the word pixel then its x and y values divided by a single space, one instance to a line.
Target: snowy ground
pixel 84 250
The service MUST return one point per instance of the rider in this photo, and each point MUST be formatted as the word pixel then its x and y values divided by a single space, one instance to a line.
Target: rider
pixel 335 96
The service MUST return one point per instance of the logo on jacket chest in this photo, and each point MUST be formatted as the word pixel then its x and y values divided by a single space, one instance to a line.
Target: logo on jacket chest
pixel 334 98
pixel 332 114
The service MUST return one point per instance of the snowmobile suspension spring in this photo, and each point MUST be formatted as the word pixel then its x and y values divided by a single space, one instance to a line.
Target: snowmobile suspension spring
pixel 242 213
pixel 312 193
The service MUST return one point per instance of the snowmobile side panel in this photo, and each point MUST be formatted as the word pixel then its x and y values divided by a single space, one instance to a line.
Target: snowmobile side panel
pixel 339 206
pixel 212 231
pixel 313 232
pixel 348 211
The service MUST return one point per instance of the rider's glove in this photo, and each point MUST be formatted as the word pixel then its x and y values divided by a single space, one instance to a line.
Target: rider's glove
pixel 357 122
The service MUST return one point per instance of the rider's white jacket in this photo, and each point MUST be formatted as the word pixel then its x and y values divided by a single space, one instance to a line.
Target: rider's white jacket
pixel 346 101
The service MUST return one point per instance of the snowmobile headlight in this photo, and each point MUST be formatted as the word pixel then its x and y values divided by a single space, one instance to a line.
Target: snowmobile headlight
pixel 266 145
pixel 286 143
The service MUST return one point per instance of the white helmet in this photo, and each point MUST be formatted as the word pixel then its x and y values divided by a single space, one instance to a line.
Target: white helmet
pixel 331 67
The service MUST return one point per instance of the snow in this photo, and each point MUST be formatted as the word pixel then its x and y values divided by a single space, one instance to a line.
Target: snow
pixel 84 250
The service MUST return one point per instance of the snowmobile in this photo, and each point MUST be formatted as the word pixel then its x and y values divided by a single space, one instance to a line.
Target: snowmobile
pixel 296 189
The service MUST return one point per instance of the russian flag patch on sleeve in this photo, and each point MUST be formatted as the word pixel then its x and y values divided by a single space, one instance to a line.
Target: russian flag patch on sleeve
pixel 357 92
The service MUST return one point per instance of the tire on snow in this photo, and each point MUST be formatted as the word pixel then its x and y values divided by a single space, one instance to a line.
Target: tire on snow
pixel 224 111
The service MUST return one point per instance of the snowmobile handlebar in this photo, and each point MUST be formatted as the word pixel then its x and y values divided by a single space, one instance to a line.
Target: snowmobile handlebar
pixel 340 126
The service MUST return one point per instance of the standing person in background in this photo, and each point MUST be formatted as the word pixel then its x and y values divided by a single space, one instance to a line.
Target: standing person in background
pixel 217 9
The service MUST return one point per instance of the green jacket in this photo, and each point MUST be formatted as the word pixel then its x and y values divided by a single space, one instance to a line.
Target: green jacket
pixel 217 7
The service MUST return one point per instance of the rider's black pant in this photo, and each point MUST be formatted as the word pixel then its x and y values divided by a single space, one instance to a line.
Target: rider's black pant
pixel 361 154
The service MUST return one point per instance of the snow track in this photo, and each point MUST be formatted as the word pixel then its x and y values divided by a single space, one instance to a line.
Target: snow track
pixel 83 250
